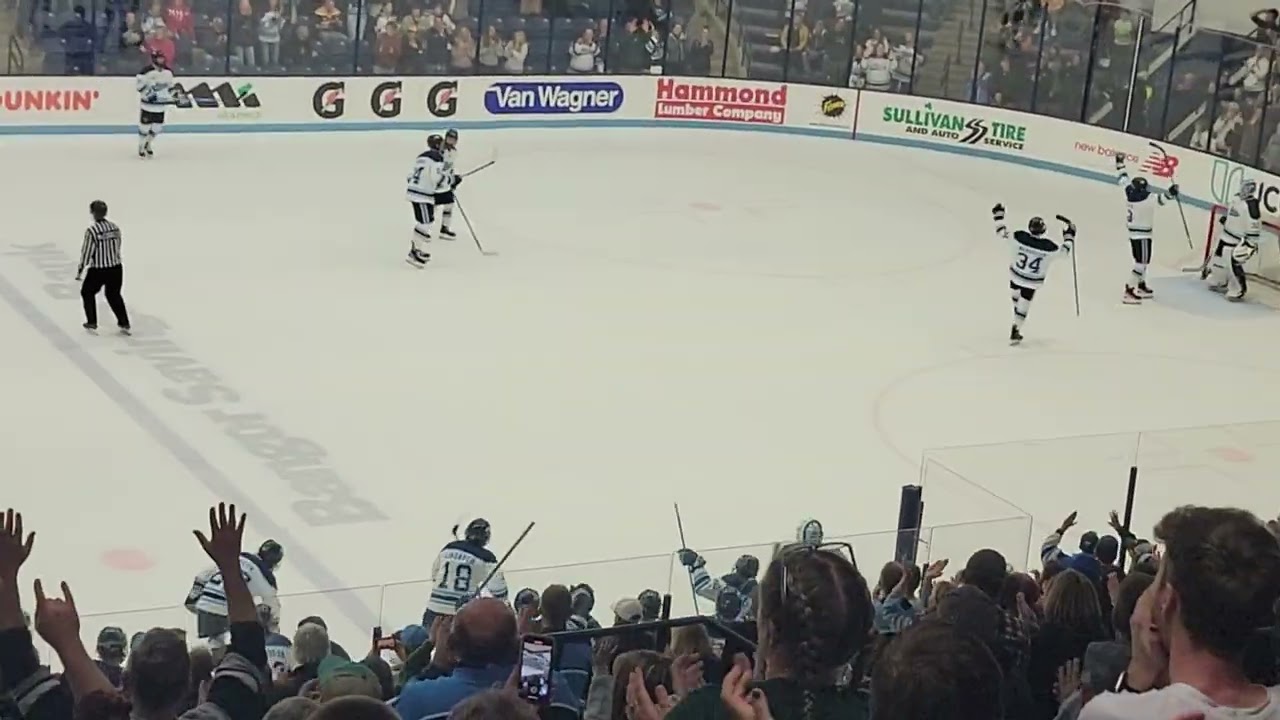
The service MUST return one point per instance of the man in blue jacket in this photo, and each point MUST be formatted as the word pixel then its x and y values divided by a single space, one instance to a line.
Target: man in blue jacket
pixel 485 644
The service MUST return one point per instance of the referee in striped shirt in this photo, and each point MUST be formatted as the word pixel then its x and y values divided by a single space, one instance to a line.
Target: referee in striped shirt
pixel 100 256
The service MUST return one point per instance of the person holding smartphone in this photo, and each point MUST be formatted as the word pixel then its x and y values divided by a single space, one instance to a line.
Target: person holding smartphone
pixel 487 649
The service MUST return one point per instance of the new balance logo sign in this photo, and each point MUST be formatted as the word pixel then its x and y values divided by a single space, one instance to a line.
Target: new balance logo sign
pixel 233 102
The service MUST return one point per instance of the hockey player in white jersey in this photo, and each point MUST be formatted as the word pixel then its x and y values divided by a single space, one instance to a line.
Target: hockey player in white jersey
pixel 1141 210
pixel 1237 242
pixel 460 569
pixel 1032 254
pixel 428 180
pixel 208 599
pixel 155 92
pixel 741 583
pixel 445 200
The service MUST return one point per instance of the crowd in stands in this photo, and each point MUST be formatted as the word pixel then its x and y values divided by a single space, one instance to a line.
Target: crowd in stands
pixel 384 37
pixel 1188 630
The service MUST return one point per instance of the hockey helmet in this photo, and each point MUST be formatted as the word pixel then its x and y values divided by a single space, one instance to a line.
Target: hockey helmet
pixel 434 142
pixel 809 532
pixel 747 566
pixel 1248 187
pixel 650 605
pixel 582 599
pixel 729 604
pixel 527 597
pixel 272 553
pixel 478 530
pixel 451 137
pixel 1036 226
pixel 1139 183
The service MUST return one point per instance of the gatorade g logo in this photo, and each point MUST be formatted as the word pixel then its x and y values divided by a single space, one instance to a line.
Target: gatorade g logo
pixel 330 100
pixel 385 101
pixel 442 99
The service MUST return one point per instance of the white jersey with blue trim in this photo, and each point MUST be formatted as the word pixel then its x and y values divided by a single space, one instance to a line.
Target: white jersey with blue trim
pixel 1242 223
pixel 1141 206
pixel 450 156
pixel 155 88
pixel 1032 254
pixel 208 595
pixel 428 178
pixel 456 576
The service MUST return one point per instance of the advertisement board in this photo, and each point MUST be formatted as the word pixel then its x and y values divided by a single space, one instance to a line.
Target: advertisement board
pixel 41 105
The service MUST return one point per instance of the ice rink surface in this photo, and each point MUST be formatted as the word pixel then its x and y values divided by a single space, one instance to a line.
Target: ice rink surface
pixel 760 328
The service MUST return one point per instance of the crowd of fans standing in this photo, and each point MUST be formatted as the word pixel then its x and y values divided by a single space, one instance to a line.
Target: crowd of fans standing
pixel 1187 631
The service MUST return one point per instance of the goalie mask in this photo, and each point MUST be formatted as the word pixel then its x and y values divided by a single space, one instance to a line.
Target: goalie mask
pixel 1248 188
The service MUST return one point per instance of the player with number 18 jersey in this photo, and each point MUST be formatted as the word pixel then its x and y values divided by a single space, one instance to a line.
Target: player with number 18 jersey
pixel 460 569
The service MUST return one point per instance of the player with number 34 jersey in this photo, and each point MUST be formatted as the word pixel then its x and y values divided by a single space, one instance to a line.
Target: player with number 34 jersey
pixel 459 570
pixel 1033 251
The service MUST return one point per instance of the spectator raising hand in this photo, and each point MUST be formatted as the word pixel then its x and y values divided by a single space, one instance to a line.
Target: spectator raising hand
pixel 15 548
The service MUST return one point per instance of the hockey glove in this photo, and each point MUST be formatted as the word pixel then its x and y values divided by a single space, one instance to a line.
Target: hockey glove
pixel 691 559
pixel 1119 160
pixel 1173 190
pixel 457 180
pixel 1243 252
pixel 998 211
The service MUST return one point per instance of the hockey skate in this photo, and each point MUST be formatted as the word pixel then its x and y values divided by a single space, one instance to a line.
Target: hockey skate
pixel 91 327
pixel 1131 297
pixel 1235 298
pixel 1220 288
pixel 448 234
pixel 126 330
pixel 418 259
pixel 1015 335
pixel 1142 291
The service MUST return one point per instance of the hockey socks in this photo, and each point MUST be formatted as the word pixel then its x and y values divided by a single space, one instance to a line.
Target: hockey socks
pixel 446 218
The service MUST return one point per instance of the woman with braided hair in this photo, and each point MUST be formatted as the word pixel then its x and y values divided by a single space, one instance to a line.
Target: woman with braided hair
pixel 814 619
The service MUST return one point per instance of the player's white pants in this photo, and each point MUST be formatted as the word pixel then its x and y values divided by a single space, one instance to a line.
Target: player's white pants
pixel 1224 269
pixel 423 215
pixel 1022 297
pixel 1141 247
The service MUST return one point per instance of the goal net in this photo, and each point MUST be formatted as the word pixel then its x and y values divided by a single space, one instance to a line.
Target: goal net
pixel 1265 264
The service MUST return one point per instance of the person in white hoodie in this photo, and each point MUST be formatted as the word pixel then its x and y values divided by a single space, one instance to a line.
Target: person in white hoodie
pixel 583 52
pixel 1217 584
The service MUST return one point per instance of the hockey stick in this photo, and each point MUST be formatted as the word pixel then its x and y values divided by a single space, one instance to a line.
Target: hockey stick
pixel 1176 198
pixel 501 562
pixel 1075 276
pixel 684 545
pixel 471 229
pixel 493 158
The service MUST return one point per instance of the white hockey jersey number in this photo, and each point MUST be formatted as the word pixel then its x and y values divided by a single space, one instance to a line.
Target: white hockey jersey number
pixel 461 574
pixel 1029 265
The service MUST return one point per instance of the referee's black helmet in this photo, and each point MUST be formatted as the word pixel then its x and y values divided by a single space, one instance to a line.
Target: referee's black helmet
pixel 98 209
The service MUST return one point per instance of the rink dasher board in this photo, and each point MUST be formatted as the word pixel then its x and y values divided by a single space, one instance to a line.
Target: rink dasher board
pixel 241 104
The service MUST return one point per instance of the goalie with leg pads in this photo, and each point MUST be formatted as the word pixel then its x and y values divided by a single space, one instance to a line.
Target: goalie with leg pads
pixel 1238 241
pixel 1033 251
pixel 1141 220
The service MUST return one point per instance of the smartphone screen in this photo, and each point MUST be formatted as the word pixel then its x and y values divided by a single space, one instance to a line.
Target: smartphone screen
pixel 535 669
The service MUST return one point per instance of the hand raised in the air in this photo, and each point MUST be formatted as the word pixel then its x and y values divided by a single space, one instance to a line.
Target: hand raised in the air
pixel 15 548
pixel 226 535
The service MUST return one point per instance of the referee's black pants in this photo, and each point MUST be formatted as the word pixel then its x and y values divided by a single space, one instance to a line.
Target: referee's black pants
pixel 110 279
